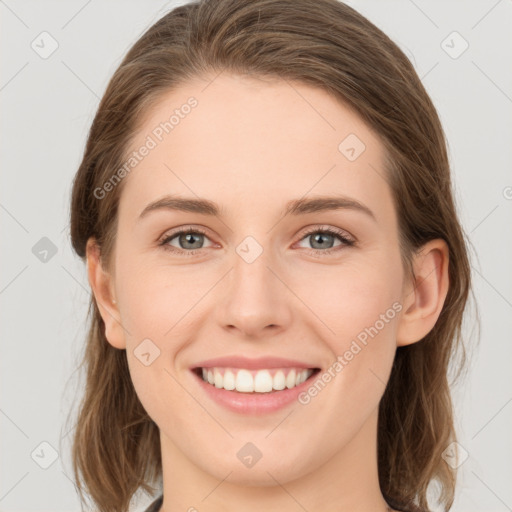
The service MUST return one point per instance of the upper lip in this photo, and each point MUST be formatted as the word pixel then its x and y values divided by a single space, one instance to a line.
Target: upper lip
pixel 252 364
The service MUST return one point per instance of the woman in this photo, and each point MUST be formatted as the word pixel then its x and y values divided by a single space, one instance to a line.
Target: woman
pixel 295 356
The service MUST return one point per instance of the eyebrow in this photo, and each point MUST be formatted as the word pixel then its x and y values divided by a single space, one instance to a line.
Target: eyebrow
pixel 294 207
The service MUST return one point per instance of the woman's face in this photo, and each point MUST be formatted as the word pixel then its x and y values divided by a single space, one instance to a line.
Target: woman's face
pixel 260 283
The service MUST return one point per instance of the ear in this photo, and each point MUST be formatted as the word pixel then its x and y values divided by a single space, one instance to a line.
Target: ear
pixel 102 286
pixel 423 298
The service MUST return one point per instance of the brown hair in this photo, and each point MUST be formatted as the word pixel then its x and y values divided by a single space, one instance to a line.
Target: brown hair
pixel 324 43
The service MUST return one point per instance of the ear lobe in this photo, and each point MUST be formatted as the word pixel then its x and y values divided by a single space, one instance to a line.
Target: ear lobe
pixel 101 284
pixel 424 299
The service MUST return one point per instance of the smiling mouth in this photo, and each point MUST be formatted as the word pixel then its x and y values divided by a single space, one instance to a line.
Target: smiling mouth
pixel 246 381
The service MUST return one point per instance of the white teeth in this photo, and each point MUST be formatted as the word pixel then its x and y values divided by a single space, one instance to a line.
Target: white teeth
pixel 217 379
pixel 290 380
pixel 229 380
pixel 279 382
pixel 261 381
pixel 244 381
pixel 301 377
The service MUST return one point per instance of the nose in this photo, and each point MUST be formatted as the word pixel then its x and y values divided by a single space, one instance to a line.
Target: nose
pixel 254 302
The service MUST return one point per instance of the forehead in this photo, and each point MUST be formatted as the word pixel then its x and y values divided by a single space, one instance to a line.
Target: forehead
pixel 239 140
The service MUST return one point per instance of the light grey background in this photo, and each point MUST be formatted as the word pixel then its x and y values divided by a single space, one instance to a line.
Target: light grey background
pixel 47 107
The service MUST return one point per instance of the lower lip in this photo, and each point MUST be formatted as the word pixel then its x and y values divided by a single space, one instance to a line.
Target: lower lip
pixel 254 403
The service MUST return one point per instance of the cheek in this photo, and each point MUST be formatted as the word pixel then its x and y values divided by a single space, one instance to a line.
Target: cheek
pixel 157 313
pixel 358 306
pixel 156 297
pixel 352 297
pixel 159 307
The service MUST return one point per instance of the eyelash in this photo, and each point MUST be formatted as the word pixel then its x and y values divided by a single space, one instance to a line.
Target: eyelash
pixel 314 252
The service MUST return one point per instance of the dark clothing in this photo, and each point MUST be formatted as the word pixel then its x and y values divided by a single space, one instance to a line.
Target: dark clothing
pixel 155 506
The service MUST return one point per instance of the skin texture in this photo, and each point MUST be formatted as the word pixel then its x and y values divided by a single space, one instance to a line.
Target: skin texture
pixel 251 145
